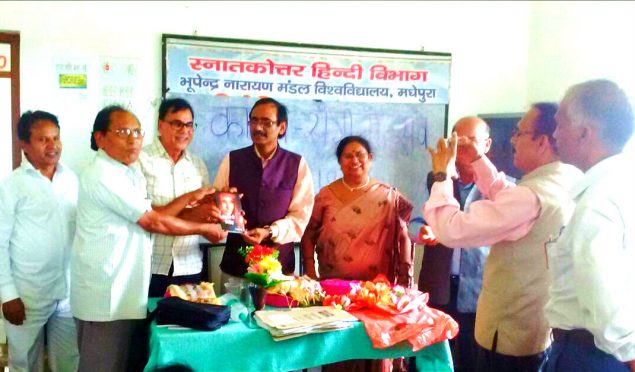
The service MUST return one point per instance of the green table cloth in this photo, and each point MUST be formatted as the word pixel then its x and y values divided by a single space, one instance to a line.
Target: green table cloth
pixel 237 347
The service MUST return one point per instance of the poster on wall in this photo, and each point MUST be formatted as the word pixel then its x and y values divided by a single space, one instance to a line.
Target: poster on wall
pixel 398 100
pixel 72 76
pixel 118 78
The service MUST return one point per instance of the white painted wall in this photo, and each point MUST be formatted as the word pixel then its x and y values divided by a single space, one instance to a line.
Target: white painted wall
pixel 576 41
pixel 488 41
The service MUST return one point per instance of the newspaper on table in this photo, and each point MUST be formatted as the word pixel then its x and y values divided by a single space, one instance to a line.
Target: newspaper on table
pixel 296 322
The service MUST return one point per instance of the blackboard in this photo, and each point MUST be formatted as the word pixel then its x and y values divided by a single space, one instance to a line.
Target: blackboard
pixel 398 115
pixel 501 153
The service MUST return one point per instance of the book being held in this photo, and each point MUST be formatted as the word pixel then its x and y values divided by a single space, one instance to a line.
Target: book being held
pixel 232 219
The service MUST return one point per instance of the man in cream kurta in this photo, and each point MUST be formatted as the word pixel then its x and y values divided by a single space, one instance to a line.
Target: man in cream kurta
pixel 511 329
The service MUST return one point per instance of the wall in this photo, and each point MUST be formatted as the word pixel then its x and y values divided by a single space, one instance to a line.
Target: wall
pixel 576 41
pixel 488 71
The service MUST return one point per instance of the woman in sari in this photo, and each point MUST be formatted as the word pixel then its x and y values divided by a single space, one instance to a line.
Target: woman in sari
pixel 359 226
pixel 359 229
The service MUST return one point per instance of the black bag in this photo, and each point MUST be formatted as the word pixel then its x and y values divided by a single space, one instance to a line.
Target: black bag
pixel 202 317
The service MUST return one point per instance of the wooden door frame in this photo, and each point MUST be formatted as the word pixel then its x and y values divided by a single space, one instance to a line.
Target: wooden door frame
pixel 13 38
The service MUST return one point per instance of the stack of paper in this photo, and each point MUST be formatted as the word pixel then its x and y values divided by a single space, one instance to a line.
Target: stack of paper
pixel 285 324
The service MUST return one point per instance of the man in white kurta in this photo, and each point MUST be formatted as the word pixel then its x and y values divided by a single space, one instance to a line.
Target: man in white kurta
pixel 112 198
pixel 110 262
pixel 37 223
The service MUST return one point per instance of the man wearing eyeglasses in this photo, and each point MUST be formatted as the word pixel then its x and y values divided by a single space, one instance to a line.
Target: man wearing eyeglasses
pixel 453 277
pixel 277 189
pixel 171 171
pixel 511 329
pixel 112 250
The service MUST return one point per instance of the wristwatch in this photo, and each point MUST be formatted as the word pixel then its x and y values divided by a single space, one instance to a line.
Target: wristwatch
pixel 439 176
pixel 269 230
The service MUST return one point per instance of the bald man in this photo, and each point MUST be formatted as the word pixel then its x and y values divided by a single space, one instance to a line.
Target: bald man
pixel 453 277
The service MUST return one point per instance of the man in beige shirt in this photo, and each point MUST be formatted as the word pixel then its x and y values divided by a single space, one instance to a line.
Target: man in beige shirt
pixel 171 170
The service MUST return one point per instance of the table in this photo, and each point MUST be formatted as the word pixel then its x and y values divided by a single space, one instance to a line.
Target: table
pixel 236 347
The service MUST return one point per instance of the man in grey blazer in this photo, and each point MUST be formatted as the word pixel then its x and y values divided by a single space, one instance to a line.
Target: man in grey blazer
pixel 453 277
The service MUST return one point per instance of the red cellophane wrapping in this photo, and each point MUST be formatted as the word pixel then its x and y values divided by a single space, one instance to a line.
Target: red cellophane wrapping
pixel 394 314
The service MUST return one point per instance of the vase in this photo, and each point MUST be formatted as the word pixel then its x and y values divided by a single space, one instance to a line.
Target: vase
pixel 258 295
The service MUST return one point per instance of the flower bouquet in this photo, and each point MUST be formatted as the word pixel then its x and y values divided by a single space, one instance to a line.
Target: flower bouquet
pixel 264 268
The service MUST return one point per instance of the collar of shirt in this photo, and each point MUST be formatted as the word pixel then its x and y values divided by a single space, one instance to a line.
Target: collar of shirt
pixel 463 186
pixel 157 148
pixel 599 170
pixel 118 166
pixel 263 160
pixel 28 168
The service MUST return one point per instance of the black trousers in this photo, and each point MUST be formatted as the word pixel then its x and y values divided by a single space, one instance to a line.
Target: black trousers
pixel 491 361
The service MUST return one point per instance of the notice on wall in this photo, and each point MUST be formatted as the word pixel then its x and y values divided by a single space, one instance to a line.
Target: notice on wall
pixel 118 77
pixel 72 73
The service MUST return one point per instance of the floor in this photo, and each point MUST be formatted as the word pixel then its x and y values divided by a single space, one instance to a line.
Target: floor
pixel 4 357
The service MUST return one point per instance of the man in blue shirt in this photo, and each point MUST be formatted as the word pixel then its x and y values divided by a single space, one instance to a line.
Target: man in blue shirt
pixel 453 277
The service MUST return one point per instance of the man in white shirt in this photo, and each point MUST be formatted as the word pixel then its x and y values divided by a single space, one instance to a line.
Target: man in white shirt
pixel 591 307
pixel 37 224
pixel 110 261
pixel 171 171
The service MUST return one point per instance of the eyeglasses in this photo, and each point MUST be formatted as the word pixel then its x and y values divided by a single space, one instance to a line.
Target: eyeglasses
pixel 178 124
pixel 266 122
pixel 517 132
pixel 127 132
pixel 360 155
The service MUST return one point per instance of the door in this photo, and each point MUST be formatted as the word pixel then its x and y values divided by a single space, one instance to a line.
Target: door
pixel 9 101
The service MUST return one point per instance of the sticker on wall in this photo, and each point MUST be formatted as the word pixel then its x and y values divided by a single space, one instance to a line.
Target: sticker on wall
pixel 72 74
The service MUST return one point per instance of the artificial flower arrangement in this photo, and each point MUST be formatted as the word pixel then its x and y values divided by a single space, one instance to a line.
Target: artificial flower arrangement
pixel 302 290
pixel 265 271
pixel 264 268
pixel 377 293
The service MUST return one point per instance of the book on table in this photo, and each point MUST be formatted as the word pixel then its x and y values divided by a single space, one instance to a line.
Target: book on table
pixel 283 324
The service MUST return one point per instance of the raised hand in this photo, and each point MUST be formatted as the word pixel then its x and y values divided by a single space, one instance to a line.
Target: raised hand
pixel 469 149
pixel 444 158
